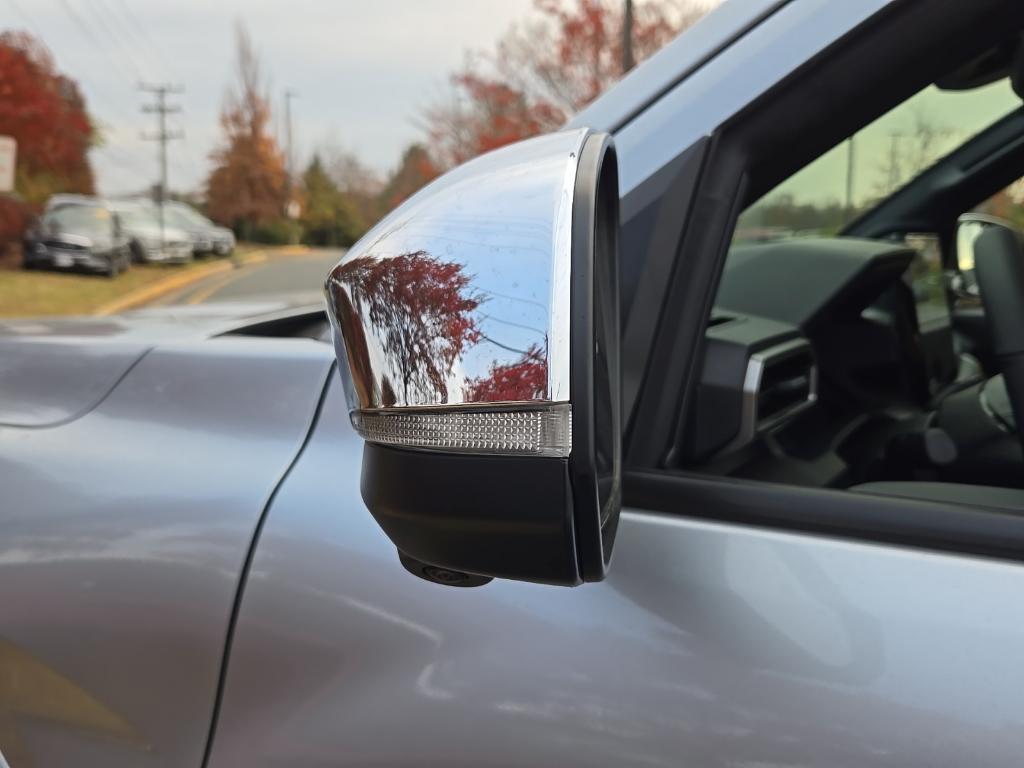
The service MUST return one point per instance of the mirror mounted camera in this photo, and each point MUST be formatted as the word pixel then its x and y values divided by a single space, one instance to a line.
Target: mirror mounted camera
pixel 477 333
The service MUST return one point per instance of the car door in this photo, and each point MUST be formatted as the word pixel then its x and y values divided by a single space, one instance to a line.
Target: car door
pixel 710 643
pixel 741 622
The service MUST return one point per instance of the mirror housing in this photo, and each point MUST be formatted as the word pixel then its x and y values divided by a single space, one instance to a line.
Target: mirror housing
pixel 477 334
pixel 969 226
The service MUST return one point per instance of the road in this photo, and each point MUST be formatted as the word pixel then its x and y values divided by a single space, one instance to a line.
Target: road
pixel 292 277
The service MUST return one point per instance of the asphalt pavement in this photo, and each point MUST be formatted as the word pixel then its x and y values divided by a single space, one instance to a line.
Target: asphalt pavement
pixel 291 277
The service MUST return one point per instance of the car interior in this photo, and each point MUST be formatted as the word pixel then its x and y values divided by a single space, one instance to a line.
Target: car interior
pixel 868 328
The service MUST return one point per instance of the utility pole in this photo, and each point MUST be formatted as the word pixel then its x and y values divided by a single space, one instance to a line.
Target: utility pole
pixel 162 109
pixel 849 175
pixel 627 37
pixel 289 208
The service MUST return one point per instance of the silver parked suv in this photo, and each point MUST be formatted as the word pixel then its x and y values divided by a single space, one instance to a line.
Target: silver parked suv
pixel 207 237
pixel 149 241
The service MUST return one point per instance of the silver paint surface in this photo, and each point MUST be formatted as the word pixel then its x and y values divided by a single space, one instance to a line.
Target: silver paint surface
pixel 708 645
pixel 466 279
pixel 122 539
pixel 46 382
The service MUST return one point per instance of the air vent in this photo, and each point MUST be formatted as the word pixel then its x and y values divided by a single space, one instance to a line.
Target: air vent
pixel 781 381
pixel 786 383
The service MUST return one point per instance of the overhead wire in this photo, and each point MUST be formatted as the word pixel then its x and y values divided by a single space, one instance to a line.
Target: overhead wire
pixel 102 97
pixel 114 33
pixel 127 27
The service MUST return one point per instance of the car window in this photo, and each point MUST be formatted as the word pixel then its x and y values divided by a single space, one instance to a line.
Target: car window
pixel 829 361
pixel 79 219
pixel 833 190
pixel 176 217
pixel 193 218
pixel 136 217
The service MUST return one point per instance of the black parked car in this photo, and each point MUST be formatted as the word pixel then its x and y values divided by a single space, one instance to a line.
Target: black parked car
pixel 82 235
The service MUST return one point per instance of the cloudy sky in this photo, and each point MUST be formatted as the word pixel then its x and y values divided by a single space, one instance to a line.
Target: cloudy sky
pixel 362 70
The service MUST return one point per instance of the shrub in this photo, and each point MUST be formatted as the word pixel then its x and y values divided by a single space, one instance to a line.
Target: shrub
pixel 274 232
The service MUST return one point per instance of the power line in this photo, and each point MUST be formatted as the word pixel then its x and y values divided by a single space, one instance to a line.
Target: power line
pixel 21 12
pixel 114 33
pixel 143 33
pixel 124 157
pixel 100 97
pixel 36 30
pixel 87 32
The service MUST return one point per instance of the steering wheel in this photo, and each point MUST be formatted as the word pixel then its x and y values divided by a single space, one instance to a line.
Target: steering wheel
pixel 999 269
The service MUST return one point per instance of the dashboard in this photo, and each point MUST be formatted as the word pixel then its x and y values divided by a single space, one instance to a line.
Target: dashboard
pixel 817 349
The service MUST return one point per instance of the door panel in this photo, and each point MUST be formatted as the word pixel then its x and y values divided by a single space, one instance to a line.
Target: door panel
pixel 709 644
pixel 123 535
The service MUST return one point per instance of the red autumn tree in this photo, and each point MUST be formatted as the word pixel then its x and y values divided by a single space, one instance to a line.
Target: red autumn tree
pixel 422 310
pixel 44 111
pixel 247 185
pixel 546 70
pixel 524 379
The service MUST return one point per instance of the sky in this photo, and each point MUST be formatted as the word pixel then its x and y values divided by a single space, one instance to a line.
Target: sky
pixel 362 71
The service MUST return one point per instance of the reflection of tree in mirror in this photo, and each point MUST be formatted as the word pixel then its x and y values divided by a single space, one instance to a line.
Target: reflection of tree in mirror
pixel 424 314
pixel 522 380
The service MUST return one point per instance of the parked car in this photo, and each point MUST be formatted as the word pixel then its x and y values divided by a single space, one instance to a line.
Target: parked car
pixel 148 240
pixel 206 236
pixel 279 536
pixel 55 201
pixel 82 233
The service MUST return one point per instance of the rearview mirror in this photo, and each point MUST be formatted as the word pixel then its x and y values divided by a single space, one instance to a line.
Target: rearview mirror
pixel 477 333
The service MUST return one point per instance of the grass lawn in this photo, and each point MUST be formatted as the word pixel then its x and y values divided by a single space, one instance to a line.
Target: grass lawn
pixel 26 293
pixel 40 292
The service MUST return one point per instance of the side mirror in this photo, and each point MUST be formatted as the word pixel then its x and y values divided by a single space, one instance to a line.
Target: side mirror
pixel 968 229
pixel 477 333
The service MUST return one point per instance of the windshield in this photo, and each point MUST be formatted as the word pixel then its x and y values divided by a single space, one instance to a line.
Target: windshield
pixel 138 218
pixel 882 157
pixel 188 218
pixel 78 220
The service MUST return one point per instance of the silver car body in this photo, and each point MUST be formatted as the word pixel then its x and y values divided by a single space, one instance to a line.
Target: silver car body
pixel 206 236
pixel 167 244
pixel 190 577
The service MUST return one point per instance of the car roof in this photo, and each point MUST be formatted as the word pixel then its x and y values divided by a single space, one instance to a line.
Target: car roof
pixel 61 200
pixel 646 83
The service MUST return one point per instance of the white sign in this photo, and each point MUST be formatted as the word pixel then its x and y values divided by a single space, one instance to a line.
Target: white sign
pixel 8 157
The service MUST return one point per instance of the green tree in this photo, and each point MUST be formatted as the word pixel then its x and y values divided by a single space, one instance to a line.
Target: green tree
pixel 415 171
pixel 327 217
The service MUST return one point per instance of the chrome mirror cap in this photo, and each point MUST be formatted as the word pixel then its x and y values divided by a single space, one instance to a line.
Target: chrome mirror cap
pixel 477 320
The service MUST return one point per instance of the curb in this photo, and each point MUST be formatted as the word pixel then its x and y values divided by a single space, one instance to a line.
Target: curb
pixel 162 287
